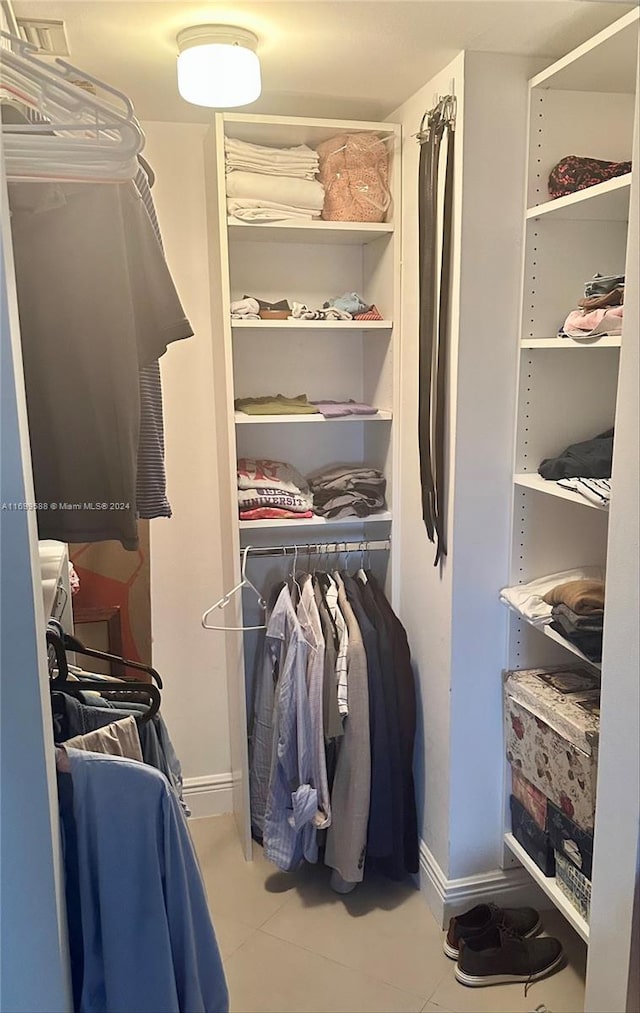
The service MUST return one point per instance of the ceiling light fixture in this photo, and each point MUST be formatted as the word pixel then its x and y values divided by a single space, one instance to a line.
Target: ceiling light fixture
pixel 218 66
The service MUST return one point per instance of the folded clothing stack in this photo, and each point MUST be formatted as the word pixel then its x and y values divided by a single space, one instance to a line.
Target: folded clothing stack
pixel 531 601
pixel 272 184
pixel 271 489
pixel 348 491
pixel 585 468
pixel 601 310
pixel 578 614
pixel 276 404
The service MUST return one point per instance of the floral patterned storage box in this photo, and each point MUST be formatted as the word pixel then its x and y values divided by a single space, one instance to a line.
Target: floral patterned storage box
pixel 552 719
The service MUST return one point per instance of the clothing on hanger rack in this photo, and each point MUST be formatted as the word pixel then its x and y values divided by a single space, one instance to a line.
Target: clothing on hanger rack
pixel 341 733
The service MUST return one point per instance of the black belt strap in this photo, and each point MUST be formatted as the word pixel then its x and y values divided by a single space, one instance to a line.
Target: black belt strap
pixel 434 317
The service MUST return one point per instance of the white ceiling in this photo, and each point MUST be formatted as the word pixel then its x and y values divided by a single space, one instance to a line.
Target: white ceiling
pixel 336 58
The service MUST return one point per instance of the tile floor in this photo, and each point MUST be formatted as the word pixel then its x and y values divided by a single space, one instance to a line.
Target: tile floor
pixel 291 945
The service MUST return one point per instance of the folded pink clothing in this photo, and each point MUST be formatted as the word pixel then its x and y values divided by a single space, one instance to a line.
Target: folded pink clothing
pixel 593 323
pixel 272 513
pixel 372 314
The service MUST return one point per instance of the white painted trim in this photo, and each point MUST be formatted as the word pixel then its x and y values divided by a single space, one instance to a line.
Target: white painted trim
pixel 448 897
pixel 210 795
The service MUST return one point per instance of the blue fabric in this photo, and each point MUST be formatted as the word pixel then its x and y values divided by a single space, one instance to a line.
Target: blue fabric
pixel 292 799
pixel 148 942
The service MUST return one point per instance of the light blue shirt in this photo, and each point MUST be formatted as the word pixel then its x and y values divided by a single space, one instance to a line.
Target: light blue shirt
pixel 292 800
pixel 147 939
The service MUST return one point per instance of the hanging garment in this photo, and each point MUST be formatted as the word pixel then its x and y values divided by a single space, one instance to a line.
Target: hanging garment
pixel 406 696
pixel 346 845
pixel 262 745
pixel 309 619
pixel 381 822
pixel 97 303
pixel 292 799
pixel 139 925
pixel 434 316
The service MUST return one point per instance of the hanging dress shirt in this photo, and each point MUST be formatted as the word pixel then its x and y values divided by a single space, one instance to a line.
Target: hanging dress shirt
pixel 292 800
pixel 139 924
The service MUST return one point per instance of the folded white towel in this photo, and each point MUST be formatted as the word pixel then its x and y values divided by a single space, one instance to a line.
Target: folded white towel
pixel 528 599
pixel 299 193
pixel 300 161
pixel 266 211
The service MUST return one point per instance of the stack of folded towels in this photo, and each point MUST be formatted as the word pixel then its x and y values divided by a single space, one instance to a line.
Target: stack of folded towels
pixel 271 489
pixel 271 184
pixel 348 491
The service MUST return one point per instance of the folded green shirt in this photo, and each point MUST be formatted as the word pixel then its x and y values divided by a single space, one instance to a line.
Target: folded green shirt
pixel 275 404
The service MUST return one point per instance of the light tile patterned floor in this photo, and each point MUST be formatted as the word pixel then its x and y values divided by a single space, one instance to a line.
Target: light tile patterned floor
pixel 290 945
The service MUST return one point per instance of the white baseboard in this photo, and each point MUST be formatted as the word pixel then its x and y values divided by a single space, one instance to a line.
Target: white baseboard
pixel 210 795
pixel 448 897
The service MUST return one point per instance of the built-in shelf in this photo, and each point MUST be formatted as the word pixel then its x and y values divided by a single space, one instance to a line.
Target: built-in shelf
pixel 383 516
pixel 294 231
pixel 603 342
pixel 550 488
pixel 312 325
pixel 261 420
pixel 605 63
pixel 549 885
pixel 607 201
pixel 557 637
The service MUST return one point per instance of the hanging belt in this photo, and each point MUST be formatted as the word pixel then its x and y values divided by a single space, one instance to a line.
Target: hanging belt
pixel 434 316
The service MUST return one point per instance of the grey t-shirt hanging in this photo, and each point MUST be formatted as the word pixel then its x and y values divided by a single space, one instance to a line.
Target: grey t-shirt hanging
pixel 97 303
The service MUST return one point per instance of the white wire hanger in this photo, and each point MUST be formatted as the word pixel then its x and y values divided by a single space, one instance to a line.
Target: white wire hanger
pixel 77 135
pixel 226 598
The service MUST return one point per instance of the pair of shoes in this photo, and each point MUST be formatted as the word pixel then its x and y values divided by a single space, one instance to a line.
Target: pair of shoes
pixel 495 946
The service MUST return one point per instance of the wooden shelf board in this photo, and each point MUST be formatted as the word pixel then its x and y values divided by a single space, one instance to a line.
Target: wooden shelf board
pixel 607 201
pixel 383 517
pixel 606 62
pixel 251 420
pixel 312 325
pixel 294 231
pixel 572 343
pixel 550 488
pixel 550 887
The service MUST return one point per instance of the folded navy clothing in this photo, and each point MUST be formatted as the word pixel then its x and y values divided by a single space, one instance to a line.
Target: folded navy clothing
pixel 575 623
pixel 589 643
pixel 591 459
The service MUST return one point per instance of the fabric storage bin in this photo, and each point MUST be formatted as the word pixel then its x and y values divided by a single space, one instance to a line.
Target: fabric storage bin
pixel 552 720
pixel 570 840
pixel 530 797
pixel 573 884
pixel 535 841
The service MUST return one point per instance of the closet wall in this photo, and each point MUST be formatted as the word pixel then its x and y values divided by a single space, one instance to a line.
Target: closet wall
pixel 456 627
pixel 186 550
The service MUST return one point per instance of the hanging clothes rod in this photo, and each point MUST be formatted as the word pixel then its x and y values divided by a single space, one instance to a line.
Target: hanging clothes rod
pixel 318 548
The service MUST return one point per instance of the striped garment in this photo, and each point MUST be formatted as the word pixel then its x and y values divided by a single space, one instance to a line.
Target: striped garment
pixel 151 485
pixel 595 490
pixel 372 314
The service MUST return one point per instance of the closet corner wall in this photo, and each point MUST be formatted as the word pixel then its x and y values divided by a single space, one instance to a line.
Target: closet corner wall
pixel 309 262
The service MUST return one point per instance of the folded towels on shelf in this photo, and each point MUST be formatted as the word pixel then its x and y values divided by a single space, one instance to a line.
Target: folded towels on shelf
pixel 529 599
pixel 248 210
pixel 595 490
pixel 300 161
pixel 340 409
pixel 298 193
pixel 275 404
pixel 594 323
pixel 348 491
pixel 590 459
pixel 245 309
pixel 584 597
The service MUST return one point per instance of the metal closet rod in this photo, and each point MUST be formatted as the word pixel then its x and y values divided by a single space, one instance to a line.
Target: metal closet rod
pixel 319 548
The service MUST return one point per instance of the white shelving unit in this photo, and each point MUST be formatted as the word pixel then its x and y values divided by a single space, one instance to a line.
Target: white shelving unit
pixel 309 262
pixel 563 397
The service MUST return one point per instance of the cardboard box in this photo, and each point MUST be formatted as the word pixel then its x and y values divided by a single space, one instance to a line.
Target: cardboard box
pixel 530 797
pixel 535 841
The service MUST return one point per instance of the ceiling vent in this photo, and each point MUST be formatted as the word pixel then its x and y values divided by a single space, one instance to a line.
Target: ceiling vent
pixel 49 37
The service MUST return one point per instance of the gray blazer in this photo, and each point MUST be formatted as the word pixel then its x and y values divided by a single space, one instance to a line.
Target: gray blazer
pixel 347 835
